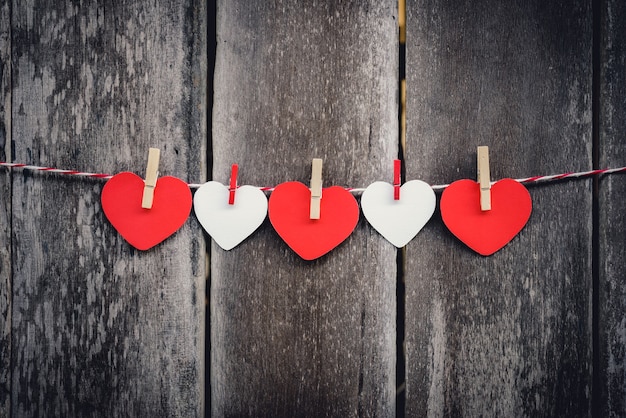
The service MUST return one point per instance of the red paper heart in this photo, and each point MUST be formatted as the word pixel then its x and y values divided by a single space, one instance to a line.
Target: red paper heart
pixel 485 231
pixel 312 238
pixel 145 228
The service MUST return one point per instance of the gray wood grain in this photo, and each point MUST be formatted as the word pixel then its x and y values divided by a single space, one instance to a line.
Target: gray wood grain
pixel 612 223
pixel 510 334
pixel 100 329
pixel 5 210
pixel 296 81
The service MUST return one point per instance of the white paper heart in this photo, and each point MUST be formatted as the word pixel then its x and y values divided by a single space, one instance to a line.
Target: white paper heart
pixel 228 224
pixel 398 220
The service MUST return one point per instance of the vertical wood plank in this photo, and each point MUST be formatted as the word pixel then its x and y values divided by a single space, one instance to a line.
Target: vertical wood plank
pixel 5 209
pixel 509 334
pixel 612 223
pixel 100 329
pixel 296 81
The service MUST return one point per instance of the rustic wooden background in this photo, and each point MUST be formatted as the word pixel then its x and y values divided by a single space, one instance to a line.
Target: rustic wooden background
pixel 511 334
pixel 91 327
pixel 296 81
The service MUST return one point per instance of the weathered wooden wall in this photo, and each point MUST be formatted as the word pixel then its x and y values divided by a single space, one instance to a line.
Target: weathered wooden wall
pixel 5 211
pixel 297 80
pixel 97 328
pixel 510 334
pixel 91 327
pixel 611 301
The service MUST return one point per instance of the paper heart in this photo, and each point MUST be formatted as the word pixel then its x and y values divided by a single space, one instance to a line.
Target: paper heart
pixel 228 224
pixel 398 220
pixel 485 231
pixel 145 228
pixel 312 238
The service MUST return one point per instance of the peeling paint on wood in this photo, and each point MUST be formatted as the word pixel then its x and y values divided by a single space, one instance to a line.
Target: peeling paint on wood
pixel 510 334
pixel 5 211
pixel 99 328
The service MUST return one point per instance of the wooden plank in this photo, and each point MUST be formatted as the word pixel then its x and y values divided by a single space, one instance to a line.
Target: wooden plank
pixel 509 334
pixel 612 224
pixel 5 210
pixel 101 329
pixel 296 81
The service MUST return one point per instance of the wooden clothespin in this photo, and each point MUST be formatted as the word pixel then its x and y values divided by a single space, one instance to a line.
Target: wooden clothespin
pixel 484 178
pixel 234 169
pixel 396 179
pixel 316 188
pixel 152 172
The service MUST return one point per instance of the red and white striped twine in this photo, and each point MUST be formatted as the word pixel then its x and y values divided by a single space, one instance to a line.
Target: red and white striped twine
pixel 555 177
pixel 55 170
pixel 527 180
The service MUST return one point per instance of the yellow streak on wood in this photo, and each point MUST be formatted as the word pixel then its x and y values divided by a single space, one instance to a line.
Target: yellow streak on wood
pixel 402 20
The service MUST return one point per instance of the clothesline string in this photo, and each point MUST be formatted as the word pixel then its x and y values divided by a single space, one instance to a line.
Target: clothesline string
pixel 527 180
